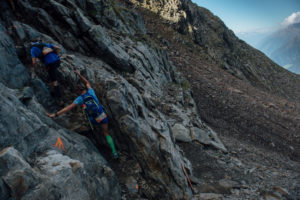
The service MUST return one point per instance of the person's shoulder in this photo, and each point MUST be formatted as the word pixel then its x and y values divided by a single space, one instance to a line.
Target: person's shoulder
pixel 34 48
pixel 49 45
pixel 91 90
pixel 78 100
pixel 34 51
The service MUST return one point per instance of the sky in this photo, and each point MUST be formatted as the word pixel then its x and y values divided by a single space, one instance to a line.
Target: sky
pixel 253 15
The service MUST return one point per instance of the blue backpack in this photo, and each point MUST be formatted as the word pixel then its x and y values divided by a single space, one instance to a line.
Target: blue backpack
pixel 45 50
pixel 91 106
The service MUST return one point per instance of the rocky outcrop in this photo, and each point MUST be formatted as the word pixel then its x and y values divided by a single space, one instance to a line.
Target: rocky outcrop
pixel 10 65
pixel 140 89
pixel 31 167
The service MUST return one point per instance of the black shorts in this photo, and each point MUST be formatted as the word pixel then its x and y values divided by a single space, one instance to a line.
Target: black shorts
pixel 52 70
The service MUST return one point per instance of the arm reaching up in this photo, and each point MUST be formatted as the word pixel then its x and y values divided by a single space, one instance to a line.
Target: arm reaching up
pixel 87 84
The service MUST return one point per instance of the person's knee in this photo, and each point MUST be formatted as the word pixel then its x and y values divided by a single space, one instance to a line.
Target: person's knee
pixel 105 133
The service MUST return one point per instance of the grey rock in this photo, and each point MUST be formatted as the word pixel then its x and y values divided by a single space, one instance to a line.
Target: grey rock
pixel 26 95
pixel 81 4
pixel 4 194
pixel 229 184
pixel 131 184
pixel 19 30
pixel 223 186
pixel 84 23
pixel 16 172
pixel 181 133
pixel 276 192
pixel 26 131
pixel 42 93
pixel 208 137
pixel 207 196
pixel 200 135
pixel 13 72
pixel 113 53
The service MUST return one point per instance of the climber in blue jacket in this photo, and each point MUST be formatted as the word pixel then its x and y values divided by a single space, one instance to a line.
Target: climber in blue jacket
pixel 48 54
pixel 96 114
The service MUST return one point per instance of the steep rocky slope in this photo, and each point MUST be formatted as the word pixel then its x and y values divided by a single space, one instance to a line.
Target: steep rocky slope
pixel 259 125
pixel 134 79
pixel 189 56
pixel 154 112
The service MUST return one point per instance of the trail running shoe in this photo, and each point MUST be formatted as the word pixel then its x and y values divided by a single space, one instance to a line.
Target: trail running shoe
pixel 115 155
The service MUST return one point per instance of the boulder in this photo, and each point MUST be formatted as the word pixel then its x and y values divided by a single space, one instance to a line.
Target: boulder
pixel 16 172
pixel 13 72
pixel 208 137
pixel 181 133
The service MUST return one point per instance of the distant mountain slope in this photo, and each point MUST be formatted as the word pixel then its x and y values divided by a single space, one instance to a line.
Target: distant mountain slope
pixel 253 38
pixel 283 47
pixel 219 45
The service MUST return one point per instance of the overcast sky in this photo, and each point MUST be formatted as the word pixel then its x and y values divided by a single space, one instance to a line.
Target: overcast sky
pixel 253 15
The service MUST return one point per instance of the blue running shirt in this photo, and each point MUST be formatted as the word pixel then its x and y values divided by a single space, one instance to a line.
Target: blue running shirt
pixel 79 101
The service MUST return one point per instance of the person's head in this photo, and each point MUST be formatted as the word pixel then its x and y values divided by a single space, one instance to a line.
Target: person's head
pixel 35 41
pixel 80 89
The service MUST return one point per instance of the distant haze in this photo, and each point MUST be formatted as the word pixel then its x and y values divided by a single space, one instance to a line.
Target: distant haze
pixel 270 26
pixel 281 45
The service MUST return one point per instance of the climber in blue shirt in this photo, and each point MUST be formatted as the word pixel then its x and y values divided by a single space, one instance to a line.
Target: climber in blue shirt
pixel 48 54
pixel 95 112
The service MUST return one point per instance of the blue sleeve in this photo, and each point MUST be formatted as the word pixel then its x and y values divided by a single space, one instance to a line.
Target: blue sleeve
pixel 50 45
pixel 78 100
pixel 33 52
pixel 91 91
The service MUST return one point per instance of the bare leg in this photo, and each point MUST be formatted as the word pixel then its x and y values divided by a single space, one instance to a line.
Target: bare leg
pixel 56 89
pixel 104 128
pixel 55 83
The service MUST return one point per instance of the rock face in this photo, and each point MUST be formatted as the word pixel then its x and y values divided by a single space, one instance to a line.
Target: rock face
pixel 31 167
pixel 10 65
pixel 141 92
